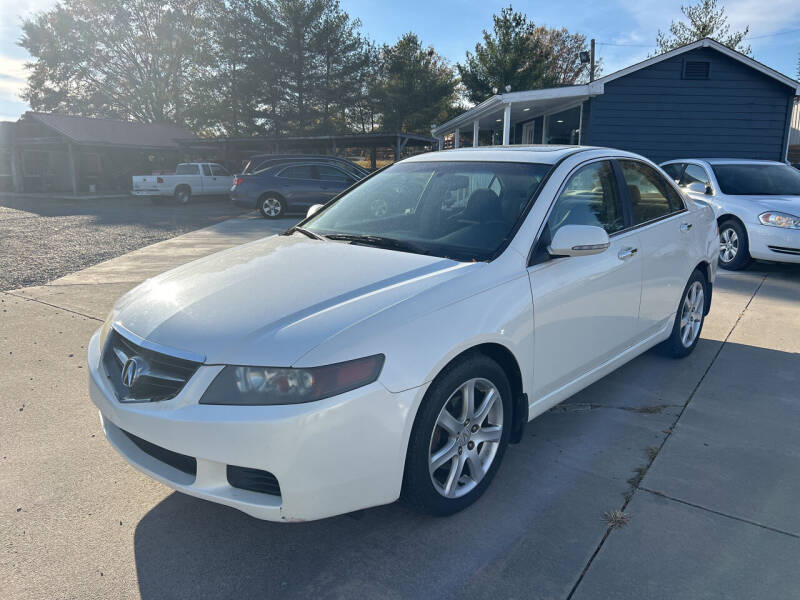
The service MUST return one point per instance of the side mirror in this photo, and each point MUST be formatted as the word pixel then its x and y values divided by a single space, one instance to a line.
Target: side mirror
pixel 699 188
pixel 312 210
pixel 579 240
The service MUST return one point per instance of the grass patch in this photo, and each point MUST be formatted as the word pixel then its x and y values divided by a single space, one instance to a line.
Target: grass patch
pixel 616 518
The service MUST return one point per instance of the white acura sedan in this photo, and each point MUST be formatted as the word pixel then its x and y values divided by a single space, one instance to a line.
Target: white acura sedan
pixel 756 202
pixel 394 342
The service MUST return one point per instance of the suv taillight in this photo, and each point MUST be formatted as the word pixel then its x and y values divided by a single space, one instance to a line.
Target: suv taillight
pixel 238 181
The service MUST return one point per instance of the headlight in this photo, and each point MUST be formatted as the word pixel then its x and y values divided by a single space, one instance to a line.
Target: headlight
pixel 106 329
pixel 777 219
pixel 275 385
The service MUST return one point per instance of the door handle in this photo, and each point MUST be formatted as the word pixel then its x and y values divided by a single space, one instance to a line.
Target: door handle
pixel 686 227
pixel 627 253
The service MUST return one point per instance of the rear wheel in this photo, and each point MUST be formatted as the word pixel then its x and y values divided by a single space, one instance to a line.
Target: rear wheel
pixel 689 318
pixel 271 206
pixel 183 194
pixel 459 437
pixel 734 250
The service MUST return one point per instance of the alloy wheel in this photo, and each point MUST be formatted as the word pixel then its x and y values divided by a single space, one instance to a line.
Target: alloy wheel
pixel 271 206
pixel 728 245
pixel 692 314
pixel 465 438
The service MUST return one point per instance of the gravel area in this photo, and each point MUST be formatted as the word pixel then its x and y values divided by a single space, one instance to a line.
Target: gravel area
pixel 43 239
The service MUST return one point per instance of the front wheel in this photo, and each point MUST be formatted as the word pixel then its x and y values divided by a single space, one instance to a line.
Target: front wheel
pixel 689 319
pixel 734 251
pixel 271 206
pixel 459 436
pixel 183 194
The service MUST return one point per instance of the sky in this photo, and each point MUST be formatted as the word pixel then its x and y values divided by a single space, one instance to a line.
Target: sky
pixel 625 30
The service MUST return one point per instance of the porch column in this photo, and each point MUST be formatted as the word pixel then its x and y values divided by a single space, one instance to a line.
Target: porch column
pixel 17 181
pixel 476 129
pixel 73 171
pixel 373 156
pixel 507 125
pixel 457 140
pixel 441 143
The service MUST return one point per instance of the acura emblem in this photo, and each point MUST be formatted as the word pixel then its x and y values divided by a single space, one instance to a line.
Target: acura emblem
pixel 134 368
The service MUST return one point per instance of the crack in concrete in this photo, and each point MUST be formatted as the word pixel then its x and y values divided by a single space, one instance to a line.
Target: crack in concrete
pixel 721 514
pixel 69 310
pixel 585 407
pixel 642 471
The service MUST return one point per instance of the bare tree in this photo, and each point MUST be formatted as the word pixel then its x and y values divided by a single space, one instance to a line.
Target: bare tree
pixel 704 20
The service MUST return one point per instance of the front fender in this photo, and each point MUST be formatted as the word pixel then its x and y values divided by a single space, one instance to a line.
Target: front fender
pixel 418 346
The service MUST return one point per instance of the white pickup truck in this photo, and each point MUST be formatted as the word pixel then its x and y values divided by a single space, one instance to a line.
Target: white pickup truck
pixel 190 179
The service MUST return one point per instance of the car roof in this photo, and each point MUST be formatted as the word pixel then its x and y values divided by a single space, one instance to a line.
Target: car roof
pixel 726 161
pixel 537 153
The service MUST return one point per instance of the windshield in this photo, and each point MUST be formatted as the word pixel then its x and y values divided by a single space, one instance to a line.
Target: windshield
pixel 758 180
pixel 459 210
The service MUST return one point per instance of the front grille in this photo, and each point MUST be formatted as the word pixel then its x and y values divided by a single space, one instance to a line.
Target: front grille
pixel 784 250
pixel 253 480
pixel 187 464
pixel 160 376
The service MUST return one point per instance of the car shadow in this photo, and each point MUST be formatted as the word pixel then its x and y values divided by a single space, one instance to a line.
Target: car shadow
pixel 544 508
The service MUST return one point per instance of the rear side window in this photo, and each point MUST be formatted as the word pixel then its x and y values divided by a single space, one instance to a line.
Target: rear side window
pixel 298 172
pixel 675 170
pixel 590 197
pixel 695 174
pixel 187 169
pixel 652 197
pixel 333 174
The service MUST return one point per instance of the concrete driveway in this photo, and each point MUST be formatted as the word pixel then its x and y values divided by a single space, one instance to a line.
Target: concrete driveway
pixel 701 456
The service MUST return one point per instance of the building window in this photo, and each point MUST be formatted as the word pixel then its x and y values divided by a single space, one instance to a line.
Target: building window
pixel 563 127
pixel 35 163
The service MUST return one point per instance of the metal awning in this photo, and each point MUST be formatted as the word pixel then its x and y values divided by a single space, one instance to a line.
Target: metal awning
pixel 518 106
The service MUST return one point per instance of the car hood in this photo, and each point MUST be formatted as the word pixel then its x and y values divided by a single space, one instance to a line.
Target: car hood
pixel 271 301
pixel 789 204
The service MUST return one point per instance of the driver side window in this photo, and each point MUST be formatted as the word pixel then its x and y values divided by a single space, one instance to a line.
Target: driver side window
pixel 590 197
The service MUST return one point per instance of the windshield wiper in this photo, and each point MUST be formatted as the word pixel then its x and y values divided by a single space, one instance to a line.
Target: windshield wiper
pixel 305 232
pixel 379 242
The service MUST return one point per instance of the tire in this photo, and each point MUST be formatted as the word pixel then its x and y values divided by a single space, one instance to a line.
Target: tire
pixel 734 247
pixel 271 206
pixel 465 445
pixel 689 318
pixel 183 194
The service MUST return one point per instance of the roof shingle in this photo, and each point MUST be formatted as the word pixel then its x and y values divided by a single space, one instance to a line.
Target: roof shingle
pixel 88 130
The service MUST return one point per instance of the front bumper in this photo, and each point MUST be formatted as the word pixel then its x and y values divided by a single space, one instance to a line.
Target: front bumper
pixel 330 457
pixel 774 243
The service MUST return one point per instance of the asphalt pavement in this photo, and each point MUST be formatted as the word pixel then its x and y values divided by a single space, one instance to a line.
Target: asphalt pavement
pixel 698 456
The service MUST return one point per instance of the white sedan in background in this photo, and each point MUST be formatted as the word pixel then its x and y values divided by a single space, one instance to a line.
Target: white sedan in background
pixel 756 202
pixel 358 358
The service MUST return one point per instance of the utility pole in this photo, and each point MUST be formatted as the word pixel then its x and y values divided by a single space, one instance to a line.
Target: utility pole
pixel 591 62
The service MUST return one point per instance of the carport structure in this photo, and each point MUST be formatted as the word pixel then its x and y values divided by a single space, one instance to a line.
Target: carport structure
pixel 233 151
pixel 555 114
pixel 65 153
